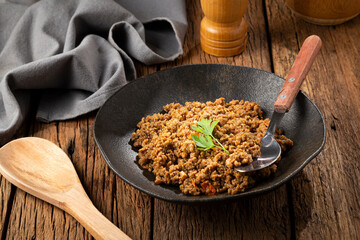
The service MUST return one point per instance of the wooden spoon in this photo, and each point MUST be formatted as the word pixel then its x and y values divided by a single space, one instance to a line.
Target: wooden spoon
pixel 42 169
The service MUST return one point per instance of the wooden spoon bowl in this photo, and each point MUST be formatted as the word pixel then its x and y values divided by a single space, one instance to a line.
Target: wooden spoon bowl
pixel 42 169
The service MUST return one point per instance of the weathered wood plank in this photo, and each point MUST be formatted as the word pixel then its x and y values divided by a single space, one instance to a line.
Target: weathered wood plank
pixel 5 204
pixel 265 216
pixel 326 196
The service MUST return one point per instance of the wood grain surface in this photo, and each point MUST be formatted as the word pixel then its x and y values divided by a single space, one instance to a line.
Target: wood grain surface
pixel 326 197
pixel 321 202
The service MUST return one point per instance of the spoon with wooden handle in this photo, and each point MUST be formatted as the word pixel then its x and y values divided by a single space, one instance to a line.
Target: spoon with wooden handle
pixel 42 169
pixel 270 149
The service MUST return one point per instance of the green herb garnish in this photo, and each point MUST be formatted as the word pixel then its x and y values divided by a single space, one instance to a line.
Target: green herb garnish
pixel 206 127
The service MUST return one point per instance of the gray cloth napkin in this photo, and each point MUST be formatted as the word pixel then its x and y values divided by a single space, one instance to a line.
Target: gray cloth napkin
pixel 77 53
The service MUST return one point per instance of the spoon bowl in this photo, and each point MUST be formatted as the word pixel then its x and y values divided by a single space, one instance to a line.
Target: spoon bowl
pixel 270 152
pixel 42 169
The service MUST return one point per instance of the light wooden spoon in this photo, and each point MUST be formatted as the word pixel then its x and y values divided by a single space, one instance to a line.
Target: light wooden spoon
pixel 42 169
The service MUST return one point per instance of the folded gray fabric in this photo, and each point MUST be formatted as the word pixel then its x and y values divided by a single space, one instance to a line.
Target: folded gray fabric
pixel 77 53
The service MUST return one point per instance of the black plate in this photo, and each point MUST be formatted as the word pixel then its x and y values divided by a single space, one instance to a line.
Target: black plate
pixel 117 119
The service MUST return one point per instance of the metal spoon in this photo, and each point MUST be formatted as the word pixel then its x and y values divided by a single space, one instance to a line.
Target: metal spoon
pixel 42 169
pixel 270 149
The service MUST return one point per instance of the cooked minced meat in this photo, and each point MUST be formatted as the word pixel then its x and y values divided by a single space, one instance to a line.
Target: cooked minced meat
pixel 167 149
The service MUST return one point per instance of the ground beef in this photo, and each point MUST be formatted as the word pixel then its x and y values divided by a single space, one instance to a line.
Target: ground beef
pixel 167 149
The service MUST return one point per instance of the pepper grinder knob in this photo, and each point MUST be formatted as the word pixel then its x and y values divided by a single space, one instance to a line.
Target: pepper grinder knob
pixel 223 30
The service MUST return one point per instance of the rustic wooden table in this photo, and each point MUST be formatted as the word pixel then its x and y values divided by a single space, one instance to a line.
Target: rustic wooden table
pixel 321 202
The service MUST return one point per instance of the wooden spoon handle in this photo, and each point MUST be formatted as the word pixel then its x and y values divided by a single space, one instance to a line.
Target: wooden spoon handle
pixel 297 74
pixel 82 209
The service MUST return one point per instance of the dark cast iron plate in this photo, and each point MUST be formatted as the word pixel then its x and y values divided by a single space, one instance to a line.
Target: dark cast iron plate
pixel 117 119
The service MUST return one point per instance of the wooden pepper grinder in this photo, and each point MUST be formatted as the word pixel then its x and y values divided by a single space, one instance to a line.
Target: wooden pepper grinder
pixel 223 30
